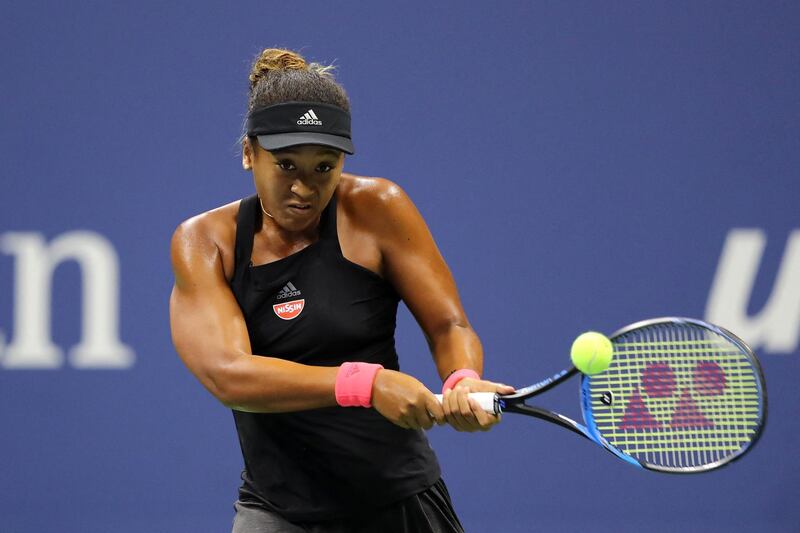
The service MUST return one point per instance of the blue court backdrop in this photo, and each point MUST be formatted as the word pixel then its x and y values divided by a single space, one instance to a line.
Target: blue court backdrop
pixel 582 165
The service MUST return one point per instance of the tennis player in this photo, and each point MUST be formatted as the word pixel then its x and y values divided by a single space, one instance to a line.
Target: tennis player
pixel 284 308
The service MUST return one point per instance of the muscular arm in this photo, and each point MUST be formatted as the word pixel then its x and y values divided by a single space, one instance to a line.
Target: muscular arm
pixel 414 265
pixel 210 335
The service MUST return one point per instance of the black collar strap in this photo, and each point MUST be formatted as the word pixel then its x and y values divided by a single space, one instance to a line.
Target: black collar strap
pixel 293 123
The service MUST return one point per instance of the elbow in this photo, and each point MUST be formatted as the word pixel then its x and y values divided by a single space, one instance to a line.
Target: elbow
pixel 456 324
pixel 457 330
pixel 225 383
pixel 227 396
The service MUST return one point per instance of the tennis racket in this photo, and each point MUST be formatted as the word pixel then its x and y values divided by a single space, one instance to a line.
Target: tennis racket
pixel 680 396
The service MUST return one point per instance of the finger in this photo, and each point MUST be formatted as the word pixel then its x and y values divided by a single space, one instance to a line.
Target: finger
pixel 462 396
pixel 481 416
pixel 504 389
pixel 456 418
pixel 433 420
pixel 446 403
pixel 487 420
pixel 447 407
pixel 451 409
pixel 493 420
pixel 487 386
pixel 435 410
pixel 500 388
pixel 481 419
pixel 420 417
pixel 424 419
pixel 464 409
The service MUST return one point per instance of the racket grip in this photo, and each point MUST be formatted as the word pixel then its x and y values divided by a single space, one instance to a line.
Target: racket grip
pixel 487 401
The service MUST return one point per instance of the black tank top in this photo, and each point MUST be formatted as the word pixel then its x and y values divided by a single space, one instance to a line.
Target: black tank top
pixel 317 308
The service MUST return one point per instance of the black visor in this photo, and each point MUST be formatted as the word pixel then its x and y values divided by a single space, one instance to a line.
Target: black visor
pixel 293 123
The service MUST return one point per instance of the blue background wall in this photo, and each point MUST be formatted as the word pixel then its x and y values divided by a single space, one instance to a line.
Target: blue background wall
pixel 580 165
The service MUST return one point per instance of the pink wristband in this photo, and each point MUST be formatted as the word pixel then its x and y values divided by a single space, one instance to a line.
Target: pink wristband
pixel 453 379
pixel 354 384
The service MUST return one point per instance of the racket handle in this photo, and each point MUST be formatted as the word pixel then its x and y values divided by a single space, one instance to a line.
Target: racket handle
pixel 487 401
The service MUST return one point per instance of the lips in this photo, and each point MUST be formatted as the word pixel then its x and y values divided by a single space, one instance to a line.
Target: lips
pixel 299 210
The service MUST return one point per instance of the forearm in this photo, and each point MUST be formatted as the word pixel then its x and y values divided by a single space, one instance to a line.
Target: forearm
pixel 271 385
pixel 457 347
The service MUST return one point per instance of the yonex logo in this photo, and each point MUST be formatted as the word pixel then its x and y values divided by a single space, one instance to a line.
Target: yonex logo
pixel 659 384
pixel 288 291
pixel 309 119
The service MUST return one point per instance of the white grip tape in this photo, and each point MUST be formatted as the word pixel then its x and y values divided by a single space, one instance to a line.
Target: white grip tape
pixel 484 399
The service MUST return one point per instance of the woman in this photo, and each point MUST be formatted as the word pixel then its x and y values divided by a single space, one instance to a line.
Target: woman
pixel 284 308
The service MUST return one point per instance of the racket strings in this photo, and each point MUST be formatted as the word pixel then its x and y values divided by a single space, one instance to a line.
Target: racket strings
pixel 680 396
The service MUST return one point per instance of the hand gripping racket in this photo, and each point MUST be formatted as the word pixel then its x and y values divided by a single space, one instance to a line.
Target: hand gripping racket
pixel 680 396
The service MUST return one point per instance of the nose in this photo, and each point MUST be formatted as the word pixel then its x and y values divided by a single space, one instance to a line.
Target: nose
pixel 301 189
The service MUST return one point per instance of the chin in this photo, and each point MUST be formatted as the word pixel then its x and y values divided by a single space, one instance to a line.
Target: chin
pixel 294 224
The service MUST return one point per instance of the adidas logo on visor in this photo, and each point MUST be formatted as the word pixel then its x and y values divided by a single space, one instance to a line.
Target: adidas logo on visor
pixel 288 291
pixel 309 119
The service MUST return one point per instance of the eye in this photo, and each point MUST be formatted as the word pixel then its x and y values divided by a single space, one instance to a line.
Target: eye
pixel 285 164
pixel 325 167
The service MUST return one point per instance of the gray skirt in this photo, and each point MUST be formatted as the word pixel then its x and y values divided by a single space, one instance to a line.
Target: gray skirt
pixel 430 511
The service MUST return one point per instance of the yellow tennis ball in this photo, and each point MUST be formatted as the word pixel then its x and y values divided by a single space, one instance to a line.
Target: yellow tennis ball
pixel 591 352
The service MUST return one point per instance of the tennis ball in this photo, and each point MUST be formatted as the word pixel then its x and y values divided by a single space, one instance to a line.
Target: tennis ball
pixel 591 352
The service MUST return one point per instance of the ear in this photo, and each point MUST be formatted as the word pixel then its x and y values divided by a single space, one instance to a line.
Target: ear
pixel 247 154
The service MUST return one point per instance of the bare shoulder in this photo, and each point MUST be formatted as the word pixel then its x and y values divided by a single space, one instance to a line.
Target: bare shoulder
pixel 380 227
pixel 216 225
pixel 209 236
pixel 372 201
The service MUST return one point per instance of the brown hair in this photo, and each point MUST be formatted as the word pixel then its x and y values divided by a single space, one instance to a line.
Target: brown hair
pixel 279 75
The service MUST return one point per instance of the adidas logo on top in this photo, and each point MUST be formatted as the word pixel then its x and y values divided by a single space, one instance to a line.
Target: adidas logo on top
pixel 309 119
pixel 288 291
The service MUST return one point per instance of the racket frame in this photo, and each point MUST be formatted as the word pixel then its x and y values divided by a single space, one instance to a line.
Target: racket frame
pixel 515 403
pixel 728 335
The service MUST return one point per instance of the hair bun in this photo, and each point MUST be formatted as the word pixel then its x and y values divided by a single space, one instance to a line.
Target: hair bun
pixel 280 75
pixel 271 59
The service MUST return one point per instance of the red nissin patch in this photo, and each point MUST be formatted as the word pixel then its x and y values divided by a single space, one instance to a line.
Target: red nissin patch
pixel 289 310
